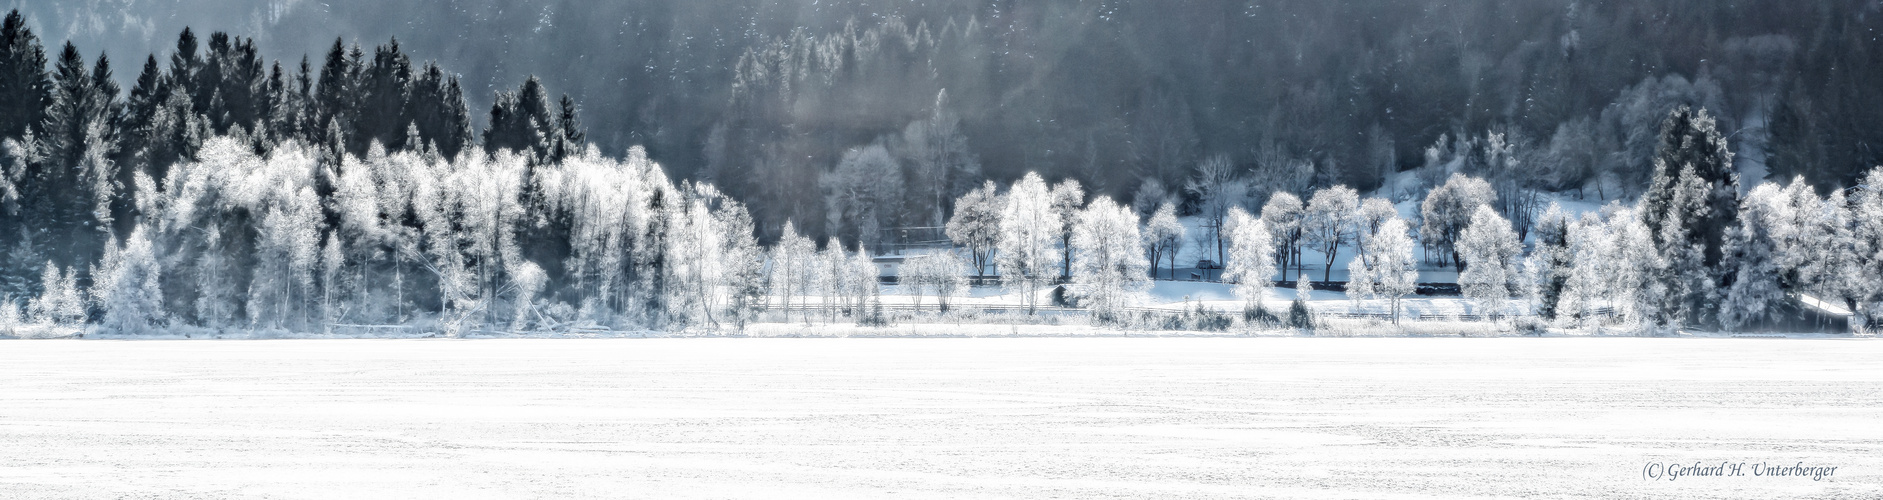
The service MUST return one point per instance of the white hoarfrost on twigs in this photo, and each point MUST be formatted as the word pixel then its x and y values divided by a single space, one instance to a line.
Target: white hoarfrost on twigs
pixel 1251 257
pixel 1111 272
pixel 1028 232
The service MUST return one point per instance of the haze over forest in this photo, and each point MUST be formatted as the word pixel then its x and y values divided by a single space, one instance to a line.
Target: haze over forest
pixel 1110 92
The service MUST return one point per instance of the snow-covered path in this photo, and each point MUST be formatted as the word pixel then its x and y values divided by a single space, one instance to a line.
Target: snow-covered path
pixel 934 418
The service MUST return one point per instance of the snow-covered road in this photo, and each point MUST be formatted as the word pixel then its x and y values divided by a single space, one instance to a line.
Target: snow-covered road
pixel 936 418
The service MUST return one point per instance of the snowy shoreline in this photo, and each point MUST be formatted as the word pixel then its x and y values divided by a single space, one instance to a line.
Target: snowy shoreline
pixel 906 331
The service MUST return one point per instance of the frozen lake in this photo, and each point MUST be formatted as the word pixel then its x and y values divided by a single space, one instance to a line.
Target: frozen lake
pixel 936 418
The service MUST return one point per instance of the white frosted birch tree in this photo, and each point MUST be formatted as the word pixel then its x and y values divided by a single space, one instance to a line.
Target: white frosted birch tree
pixel 1112 273
pixel 1028 231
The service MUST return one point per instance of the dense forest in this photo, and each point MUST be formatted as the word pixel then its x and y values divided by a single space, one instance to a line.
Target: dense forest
pixel 642 152
pixel 766 98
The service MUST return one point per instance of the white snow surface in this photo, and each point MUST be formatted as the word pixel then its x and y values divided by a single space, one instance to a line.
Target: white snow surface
pixel 935 418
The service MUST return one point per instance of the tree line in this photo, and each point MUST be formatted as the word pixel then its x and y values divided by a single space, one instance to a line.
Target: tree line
pixel 219 194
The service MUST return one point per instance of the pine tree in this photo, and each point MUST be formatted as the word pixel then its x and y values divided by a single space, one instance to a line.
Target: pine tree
pixel 1692 201
pixel 69 192
pixel 520 121
pixel 338 89
pixel 383 113
pixel 206 84
pixel 140 115
pixel 71 111
pixel 184 65
pixel 454 132
pixel 569 137
pixel 1552 254
pixel 25 89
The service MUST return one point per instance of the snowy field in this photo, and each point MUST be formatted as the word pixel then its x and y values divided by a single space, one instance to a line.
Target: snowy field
pixel 935 418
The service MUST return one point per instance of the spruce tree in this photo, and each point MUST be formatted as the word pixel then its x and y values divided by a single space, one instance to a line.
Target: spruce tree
pixel 70 113
pixel 1552 254
pixel 1691 203
pixel 569 137
pixel 520 121
pixel 25 90
pixel 301 108
pixel 184 64
pixel 140 107
pixel 382 114
pixel 333 99
pixel 1690 139
pixel 64 190
pixel 455 134
pixel 206 85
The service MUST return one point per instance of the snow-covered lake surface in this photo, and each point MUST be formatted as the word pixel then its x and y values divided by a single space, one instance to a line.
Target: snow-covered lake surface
pixel 936 418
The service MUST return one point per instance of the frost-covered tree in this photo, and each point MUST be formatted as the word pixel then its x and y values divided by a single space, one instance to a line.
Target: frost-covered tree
pixel 440 252
pixel 1282 214
pixel 1373 213
pixel 1068 198
pixel 792 267
pixel 1683 283
pixel 1489 249
pixel 127 287
pixel 1217 187
pixel 944 167
pixel 1367 220
pixel 1867 244
pixel 1163 237
pixel 10 317
pixel 332 273
pixel 1328 223
pixel 1360 285
pixel 1505 162
pixel 60 302
pixel 1752 251
pixel 1552 259
pixel 1112 273
pixel 1634 264
pixel 1829 269
pixel 1392 269
pixel 1447 211
pixel 833 279
pixel 864 194
pixel 864 284
pixel 742 261
pixel 1691 160
pixel 1591 251
pixel 942 274
pixel 976 224
pixel 1150 194
pixel 528 280
pixel 1251 263
pixel 699 262
pixel 1299 316
pixel 1028 231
